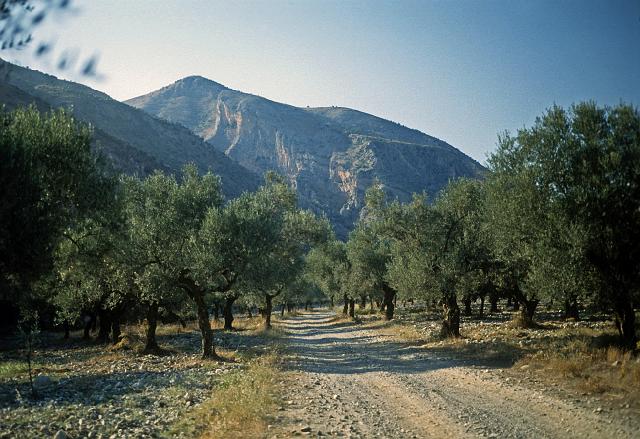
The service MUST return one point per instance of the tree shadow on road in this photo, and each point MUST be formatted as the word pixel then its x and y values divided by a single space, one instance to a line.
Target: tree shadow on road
pixel 321 346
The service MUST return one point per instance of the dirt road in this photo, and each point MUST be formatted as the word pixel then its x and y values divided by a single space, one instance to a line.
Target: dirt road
pixel 355 382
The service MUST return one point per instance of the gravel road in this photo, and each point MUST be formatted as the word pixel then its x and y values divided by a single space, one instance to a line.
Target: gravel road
pixel 348 381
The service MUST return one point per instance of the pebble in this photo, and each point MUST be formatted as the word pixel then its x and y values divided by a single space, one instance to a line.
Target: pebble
pixel 42 381
pixel 128 395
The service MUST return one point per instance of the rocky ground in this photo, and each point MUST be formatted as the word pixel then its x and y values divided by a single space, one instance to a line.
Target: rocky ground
pixel 87 390
pixel 341 378
pixel 495 329
pixel 358 381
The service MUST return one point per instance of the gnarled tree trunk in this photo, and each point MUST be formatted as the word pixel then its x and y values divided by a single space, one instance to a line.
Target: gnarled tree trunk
pixel 527 311
pixel 352 308
pixel 88 320
pixel 151 345
pixel 625 322
pixel 268 309
pixel 216 313
pixel 197 293
pixel 345 309
pixel 451 317
pixel 105 326
pixel 493 301
pixel 571 309
pixel 115 329
pixel 228 312
pixel 388 302
pixel 208 350
pixel 467 306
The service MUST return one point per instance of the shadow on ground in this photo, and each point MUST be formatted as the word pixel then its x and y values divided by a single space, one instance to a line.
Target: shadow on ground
pixel 322 345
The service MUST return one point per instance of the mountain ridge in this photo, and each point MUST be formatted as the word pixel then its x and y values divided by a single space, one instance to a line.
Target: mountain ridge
pixel 330 154
pixel 136 141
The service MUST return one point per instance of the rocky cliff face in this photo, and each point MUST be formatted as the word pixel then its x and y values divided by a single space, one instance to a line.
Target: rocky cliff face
pixel 331 155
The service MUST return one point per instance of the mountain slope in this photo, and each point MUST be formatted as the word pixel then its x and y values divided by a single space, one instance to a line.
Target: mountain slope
pixel 331 155
pixel 135 140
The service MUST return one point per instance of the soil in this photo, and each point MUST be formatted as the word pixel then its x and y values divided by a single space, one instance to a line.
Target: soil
pixel 349 381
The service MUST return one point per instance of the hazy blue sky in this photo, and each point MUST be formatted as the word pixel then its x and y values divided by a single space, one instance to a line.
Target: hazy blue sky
pixel 459 70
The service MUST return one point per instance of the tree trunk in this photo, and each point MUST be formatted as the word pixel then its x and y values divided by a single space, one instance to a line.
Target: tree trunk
pixel 363 302
pixel 65 325
pixel 268 309
pixel 482 306
pixel 104 328
pixel 352 308
pixel 371 302
pixel 345 309
pixel 571 310
pixel 493 300
pixel 527 311
pixel 467 305
pixel 152 323
pixel 283 308
pixel 216 314
pixel 88 321
pixel 115 329
pixel 625 322
pixel 388 302
pixel 228 312
pixel 451 320
pixel 197 294
pixel 208 350
pixel 332 304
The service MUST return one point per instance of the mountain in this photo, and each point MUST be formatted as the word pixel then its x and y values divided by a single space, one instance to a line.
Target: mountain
pixel 135 141
pixel 331 155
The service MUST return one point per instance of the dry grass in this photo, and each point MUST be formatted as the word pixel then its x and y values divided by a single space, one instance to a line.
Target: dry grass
pixel 340 318
pixel 398 331
pixel 18 369
pixel 173 328
pixel 518 322
pixel 239 323
pixel 587 362
pixel 240 407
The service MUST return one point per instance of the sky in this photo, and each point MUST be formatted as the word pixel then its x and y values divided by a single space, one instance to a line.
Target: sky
pixel 460 70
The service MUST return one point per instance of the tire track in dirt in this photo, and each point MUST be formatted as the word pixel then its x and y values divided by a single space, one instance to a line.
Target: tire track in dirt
pixel 346 381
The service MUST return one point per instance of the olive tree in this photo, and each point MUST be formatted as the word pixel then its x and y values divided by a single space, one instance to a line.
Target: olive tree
pixel 51 182
pixel 569 186
pixel 164 218
pixel 327 267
